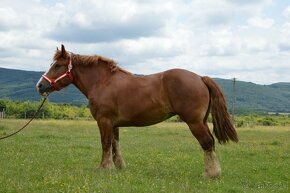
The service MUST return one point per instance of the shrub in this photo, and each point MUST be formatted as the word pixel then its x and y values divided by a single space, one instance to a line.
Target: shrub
pixel 268 121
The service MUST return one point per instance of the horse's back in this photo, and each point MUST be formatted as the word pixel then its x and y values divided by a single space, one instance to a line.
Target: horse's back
pixel 184 81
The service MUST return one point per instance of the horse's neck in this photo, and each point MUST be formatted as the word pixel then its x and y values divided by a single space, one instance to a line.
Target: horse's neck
pixel 86 77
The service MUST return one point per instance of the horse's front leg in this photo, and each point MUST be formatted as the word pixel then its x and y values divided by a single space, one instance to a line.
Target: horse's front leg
pixel 106 131
pixel 117 157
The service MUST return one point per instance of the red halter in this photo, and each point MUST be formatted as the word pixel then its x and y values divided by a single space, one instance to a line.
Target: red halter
pixel 53 82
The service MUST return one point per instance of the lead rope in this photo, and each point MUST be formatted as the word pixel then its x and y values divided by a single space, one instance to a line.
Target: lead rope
pixel 34 115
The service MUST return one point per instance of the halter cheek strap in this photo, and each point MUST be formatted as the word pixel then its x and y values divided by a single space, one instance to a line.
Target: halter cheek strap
pixel 53 82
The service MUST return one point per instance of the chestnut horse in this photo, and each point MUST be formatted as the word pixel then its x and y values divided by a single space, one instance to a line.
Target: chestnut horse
pixel 118 98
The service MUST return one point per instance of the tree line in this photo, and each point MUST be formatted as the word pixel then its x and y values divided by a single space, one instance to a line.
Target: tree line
pixel 26 109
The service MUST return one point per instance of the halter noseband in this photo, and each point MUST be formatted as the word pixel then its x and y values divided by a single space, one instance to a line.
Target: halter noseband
pixel 53 82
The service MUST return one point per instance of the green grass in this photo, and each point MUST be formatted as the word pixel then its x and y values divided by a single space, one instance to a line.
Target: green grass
pixel 63 156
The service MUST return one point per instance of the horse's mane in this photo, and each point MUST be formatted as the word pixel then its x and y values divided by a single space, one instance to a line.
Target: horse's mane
pixel 86 60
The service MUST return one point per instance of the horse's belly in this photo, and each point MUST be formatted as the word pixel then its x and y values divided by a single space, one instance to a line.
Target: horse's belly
pixel 145 118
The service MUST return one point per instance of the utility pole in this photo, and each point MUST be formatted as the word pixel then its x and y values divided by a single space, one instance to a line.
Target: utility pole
pixel 2 112
pixel 233 99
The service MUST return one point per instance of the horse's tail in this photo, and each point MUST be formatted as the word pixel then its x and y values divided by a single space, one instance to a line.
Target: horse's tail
pixel 223 127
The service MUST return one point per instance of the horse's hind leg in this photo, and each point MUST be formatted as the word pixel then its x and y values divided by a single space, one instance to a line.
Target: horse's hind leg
pixel 206 140
pixel 117 157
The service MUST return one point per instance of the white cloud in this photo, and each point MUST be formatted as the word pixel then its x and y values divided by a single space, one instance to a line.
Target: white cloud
pixel 286 12
pixel 10 19
pixel 284 42
pixel 216 38
pixel 221 42
pixel 261 22
pixel 103 21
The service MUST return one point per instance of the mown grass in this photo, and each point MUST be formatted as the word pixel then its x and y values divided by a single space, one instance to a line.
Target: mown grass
pixel 63 156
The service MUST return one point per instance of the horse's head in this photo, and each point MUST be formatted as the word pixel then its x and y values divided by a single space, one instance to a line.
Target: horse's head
pixel 59 74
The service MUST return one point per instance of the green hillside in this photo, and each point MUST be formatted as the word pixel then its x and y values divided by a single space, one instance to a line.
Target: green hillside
pixel 250 97
pixel 20 85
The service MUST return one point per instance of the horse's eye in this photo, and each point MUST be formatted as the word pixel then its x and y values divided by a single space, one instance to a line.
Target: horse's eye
pixel 57 66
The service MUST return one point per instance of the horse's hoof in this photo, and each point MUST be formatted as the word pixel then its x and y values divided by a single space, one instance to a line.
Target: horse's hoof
pixel 212 175
pixel 105 166
pixel 120 164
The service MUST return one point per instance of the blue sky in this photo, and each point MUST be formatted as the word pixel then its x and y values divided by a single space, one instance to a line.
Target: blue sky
pixel 246 39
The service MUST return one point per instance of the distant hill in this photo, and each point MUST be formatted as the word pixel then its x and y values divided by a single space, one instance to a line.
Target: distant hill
pixel 250 97
pixel 20 85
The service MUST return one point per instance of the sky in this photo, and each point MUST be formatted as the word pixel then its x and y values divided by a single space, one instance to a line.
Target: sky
pixel 245 39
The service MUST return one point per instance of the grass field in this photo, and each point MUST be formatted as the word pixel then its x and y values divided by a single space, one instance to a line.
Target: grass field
pixel 63 156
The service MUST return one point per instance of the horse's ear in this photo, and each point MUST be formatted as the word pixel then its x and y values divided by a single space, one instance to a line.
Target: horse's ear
pixel 57 48
pixel 63 52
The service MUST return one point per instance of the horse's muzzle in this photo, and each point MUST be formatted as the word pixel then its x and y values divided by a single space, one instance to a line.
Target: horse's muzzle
pixel 43 87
